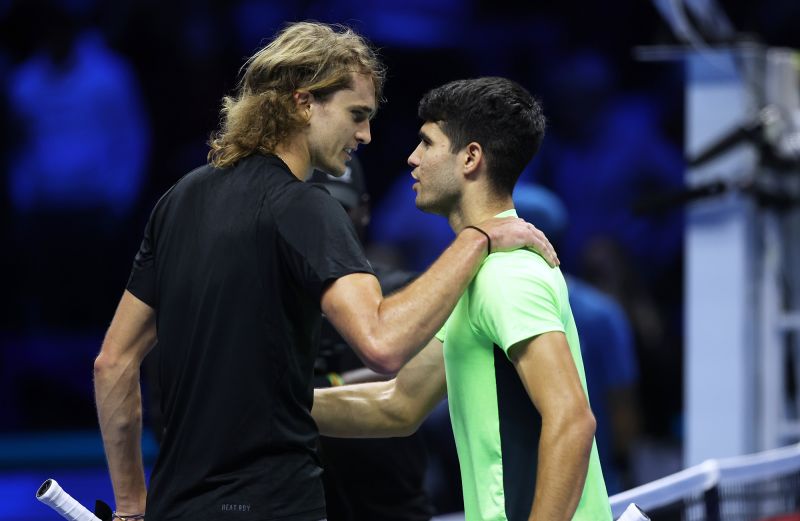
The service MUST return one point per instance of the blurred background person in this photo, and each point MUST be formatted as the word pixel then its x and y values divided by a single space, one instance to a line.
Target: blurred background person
pixel 75 168
pixel 375 479
pixel 78 164
pixel 607 153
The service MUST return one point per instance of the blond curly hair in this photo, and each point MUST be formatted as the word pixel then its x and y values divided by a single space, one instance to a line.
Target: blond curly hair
pixel 305 56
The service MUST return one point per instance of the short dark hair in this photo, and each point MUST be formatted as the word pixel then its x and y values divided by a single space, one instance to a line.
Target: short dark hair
pixel 497 113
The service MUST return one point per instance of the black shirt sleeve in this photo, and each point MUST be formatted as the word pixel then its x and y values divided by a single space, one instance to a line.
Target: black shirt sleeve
pixel 142 281
pixel 319 241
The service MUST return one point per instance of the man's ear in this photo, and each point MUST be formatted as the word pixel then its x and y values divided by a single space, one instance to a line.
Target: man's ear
pixel 302 102
pixel 473 157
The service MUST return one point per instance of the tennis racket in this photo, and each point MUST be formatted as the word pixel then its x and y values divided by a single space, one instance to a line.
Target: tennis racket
pixel 52 495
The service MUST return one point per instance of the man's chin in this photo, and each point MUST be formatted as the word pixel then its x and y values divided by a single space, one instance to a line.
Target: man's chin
pixel 334 169
pixel 426 207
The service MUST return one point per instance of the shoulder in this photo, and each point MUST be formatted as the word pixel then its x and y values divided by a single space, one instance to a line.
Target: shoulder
pixel 187 184
pixel 300 199
pixel 518 266
pixel 517 278
pixel 515 296
pixel 270 173
pixel 307 211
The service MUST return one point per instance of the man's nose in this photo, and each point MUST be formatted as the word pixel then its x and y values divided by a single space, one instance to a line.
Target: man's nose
pixel 413 159
pixel 363 134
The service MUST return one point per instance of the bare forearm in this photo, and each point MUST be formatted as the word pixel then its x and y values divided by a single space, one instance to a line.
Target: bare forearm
pixel 564 451
pixel 360 411
pixel 387 332
pixel 119 408
pixel 409 318
pixel 384 409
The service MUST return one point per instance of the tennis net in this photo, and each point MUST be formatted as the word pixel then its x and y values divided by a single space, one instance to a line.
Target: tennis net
pixel 757 487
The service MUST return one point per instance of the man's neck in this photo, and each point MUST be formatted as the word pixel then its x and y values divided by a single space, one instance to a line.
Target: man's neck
pixel 295 154
pixel 475 209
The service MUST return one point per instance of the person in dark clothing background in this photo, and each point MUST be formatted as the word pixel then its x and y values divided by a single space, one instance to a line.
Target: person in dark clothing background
pixel 367 479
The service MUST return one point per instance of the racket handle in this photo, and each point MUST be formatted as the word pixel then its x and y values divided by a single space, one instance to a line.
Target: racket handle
pixel 52 495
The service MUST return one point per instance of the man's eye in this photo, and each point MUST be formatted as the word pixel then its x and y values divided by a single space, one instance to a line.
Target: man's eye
pixel 358 117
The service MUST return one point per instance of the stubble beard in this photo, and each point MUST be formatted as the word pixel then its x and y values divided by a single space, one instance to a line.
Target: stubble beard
pixel 333 168
pixel 440 206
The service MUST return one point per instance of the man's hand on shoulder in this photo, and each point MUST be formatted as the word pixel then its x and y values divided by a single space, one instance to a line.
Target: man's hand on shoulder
pixel 511 233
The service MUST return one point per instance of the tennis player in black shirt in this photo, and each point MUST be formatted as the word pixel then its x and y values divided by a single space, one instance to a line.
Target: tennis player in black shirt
pixel 238 259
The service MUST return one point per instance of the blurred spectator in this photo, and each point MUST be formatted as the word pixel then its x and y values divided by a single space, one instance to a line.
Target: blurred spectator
pixel 604 155
pixel 85 137
pixel 74 168
pixel 186 61
pixel 604 152
pixel 657 330
pixel 375 479
pixel 75 176
pixel 607 346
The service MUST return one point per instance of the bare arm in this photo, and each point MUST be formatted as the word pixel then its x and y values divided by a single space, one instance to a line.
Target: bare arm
pixel 384 409
pixel 387 332
pixel 119 402
pixel 364 375
pixel 548 372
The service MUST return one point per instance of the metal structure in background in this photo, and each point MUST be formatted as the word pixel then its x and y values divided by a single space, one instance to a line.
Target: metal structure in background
pixel 742 265
pixel 779 319
pixel 742 360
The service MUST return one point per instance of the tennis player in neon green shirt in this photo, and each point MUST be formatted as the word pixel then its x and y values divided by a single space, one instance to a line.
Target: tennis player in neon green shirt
pixel 508 358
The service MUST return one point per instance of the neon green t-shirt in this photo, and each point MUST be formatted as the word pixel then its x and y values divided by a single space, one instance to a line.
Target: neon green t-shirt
pixel 515 296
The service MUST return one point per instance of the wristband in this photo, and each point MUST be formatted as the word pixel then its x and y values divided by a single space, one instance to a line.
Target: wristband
pixel 488 239
pixel 127 517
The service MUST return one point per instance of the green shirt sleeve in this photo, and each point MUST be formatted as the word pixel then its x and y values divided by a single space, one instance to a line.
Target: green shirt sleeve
pixel 516 299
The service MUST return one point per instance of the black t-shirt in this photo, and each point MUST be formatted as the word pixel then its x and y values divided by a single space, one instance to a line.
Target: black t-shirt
pixel 234 262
